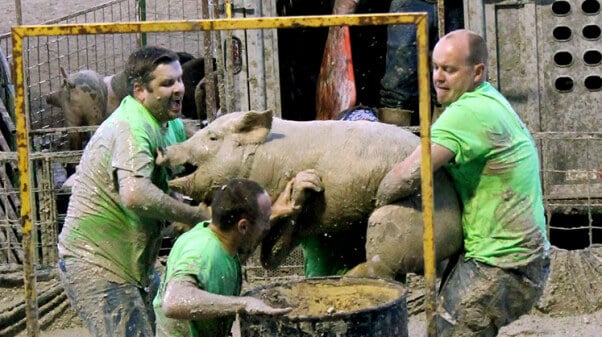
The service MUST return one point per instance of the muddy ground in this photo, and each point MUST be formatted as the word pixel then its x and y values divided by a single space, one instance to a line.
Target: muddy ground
pixel 571 304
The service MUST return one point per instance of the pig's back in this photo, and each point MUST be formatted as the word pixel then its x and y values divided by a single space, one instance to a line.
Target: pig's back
pixel 351 157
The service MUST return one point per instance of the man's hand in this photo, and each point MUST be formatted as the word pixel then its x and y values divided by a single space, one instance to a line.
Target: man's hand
pixel 203 213
pixel 291 200
pixel 255 306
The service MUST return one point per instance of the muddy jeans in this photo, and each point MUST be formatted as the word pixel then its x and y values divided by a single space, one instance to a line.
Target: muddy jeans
pixel 399 85
pixel 107 308
pixel 477 299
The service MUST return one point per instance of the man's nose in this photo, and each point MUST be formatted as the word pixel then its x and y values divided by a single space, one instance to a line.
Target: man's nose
pixel 438 76
pixel 179 87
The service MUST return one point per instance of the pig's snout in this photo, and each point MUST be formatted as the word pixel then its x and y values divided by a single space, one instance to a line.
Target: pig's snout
pixel 54 100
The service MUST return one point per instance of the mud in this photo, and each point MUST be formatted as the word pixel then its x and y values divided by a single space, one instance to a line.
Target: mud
pixel 571 304
pixel 328 297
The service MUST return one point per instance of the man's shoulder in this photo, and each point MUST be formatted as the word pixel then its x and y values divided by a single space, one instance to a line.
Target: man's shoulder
pixel 199 232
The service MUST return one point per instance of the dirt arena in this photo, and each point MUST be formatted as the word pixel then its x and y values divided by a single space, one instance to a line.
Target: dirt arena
pixel 562 315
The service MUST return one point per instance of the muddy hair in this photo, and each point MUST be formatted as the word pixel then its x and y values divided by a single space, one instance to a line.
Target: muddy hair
pixel 235 200
pixel 143 62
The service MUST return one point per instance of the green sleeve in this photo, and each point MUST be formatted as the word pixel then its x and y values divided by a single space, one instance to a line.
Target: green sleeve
pixel 132 150
pixel 460 130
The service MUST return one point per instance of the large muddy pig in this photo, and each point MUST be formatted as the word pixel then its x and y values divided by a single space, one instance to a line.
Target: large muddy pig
pixel 351 158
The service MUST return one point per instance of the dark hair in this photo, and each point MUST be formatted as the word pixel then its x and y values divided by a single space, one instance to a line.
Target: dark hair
pixel 143 62
pixel 235 200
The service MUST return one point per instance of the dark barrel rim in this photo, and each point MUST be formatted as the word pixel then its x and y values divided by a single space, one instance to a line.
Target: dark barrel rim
pixel 349 280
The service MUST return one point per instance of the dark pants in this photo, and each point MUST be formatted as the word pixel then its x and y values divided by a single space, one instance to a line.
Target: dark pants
pixel 108 309
pixel 399 85
pixel 477 299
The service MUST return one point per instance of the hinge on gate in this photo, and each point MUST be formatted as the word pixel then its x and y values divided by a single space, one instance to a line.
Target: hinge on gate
pixel 242 10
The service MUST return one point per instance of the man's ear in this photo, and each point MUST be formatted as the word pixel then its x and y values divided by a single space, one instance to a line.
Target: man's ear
pixel 138 90
pixel 242 225
pixel 479 73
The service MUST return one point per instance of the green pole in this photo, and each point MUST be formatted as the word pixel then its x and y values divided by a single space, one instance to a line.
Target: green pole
pixel 142 14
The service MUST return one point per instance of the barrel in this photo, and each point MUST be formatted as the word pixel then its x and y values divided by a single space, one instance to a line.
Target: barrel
pixel 331 307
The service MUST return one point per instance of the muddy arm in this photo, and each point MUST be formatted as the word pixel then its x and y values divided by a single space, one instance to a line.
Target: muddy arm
pixel 342 7
pixel 404 178
pixel 143 197
pixel 183 299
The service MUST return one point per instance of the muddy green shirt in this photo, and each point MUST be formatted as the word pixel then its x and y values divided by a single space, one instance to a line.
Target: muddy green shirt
pixel 496 174
pixel 98 227
pixel 199 257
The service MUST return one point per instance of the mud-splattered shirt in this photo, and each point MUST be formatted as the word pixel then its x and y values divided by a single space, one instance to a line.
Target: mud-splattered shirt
pixel 199 257
pixel 98 227
pixel 496 174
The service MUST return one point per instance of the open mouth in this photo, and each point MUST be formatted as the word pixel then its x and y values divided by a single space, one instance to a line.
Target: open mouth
pixel 175 104
pixel 183 183
pixel 277 245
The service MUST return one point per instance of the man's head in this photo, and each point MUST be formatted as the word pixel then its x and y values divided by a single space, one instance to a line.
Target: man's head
pixel 154 77
pixel 242 206
pixel 459 65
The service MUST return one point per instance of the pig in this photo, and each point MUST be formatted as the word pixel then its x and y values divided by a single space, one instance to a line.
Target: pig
pixel 88 98
pixel 193 77
pixel 351 159
pixel 117 90
pixel 83 98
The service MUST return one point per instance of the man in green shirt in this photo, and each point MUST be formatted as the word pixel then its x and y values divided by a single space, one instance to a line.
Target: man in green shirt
pixel 199 294
pixel 494 165
pixel 120 201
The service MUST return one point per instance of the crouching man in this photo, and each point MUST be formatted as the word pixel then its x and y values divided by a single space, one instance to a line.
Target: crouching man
pixel 199 293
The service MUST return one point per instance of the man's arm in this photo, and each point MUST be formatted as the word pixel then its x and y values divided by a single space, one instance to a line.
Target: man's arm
pixel 184 300
pixel 404 178
pixel 143 197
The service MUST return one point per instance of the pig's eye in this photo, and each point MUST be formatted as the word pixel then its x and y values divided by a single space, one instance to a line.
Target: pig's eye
pixel 213 137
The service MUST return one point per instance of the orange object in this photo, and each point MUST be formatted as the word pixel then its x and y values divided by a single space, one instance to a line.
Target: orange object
pixel 336 89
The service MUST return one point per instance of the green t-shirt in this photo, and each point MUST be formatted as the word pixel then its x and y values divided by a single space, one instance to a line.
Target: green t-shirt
pixel 332 254
pixel 199 257
pixel 496 174
pixel 98 227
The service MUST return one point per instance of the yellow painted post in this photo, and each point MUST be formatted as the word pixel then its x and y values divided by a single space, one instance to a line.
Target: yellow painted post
pixel 25 185
pixel 426 173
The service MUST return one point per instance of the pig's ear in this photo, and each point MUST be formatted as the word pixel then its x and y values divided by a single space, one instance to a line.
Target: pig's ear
pixel 66 83
pixel 253 127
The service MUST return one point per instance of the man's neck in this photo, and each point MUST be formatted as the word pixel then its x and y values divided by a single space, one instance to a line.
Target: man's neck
pixel 227 240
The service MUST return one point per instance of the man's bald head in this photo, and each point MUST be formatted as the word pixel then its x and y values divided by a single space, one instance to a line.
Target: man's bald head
pixel 474 43
pixel 459 65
